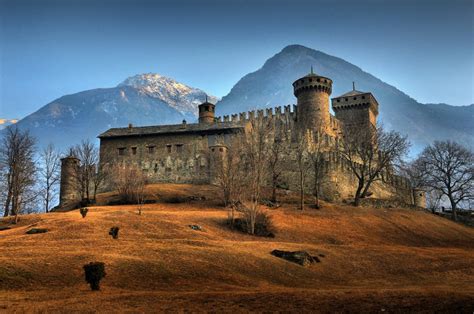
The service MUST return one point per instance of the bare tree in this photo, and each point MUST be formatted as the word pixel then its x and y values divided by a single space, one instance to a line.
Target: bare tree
pixel 228 171
pixel 278 148
pixel 49 173
pixel 17 159
pixel 255 164
pixel 130 183
pixel 303 162
pixel 316 158
pixel 88 155
pixel 369 152
pixel 449 168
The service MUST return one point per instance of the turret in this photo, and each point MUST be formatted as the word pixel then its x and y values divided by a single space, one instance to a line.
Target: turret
pixel 312 92
pixel 419 197
pixel 356 109
pixel 68 194
pixel 206 112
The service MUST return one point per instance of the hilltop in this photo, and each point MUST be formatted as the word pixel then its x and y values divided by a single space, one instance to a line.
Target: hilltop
pixel 374 259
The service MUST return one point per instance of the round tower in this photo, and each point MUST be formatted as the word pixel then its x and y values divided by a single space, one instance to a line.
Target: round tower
pixel 419 197
pixel 312 92
pixel 68 188
pixel 217 161
pixel 206 112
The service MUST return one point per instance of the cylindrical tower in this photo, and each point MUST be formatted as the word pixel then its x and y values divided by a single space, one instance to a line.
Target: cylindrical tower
pixel 206 112
pixel 68 193
pixel 419 197
pixel 217 161
pixel 312 92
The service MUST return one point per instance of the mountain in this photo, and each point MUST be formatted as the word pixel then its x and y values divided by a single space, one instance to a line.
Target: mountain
pixel 146 99
pixel 270 86
pixel 183 98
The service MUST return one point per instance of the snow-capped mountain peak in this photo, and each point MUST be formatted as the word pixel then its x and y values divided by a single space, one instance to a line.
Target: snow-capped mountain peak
pixel 183 98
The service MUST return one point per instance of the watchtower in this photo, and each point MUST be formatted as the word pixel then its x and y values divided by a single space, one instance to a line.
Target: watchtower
pixel 356 109
pixel 68 195
pixel 312 92
pixel 206 112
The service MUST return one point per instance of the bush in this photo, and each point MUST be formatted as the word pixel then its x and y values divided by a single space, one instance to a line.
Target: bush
pixel 94 272
pixel 84 211
pixel 263 225
pixel 175 200
pixel 114 231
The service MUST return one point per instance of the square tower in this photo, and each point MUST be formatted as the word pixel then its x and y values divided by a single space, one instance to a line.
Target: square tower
pixel 356 109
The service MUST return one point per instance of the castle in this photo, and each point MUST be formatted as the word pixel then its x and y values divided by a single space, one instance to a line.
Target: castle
pixel 184 153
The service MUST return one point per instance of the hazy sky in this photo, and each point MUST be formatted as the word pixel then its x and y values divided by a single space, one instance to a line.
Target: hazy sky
pixel 52 48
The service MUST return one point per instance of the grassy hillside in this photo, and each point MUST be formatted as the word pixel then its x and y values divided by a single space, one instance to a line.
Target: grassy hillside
pixel 393 259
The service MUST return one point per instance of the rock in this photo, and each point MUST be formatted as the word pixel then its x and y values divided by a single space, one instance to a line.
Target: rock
pixel 4 228
pixel 36 230
pixel 299 257
pixel 195 227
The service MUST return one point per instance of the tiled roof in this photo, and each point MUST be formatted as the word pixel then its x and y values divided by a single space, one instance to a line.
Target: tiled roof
pixel 173 129
pixel 352 93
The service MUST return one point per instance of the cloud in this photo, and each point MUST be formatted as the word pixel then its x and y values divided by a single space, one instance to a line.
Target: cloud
pixel 8 121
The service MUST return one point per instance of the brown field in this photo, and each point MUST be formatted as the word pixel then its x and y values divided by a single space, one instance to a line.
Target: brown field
pixel 375 260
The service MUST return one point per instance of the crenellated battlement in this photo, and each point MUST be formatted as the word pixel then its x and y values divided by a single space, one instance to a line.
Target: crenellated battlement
pixel 287 112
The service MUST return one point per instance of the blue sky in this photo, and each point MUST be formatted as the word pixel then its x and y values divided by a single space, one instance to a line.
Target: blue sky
pixel 52 48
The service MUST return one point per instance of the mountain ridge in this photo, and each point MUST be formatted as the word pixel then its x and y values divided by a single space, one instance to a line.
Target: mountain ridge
pixel 270 86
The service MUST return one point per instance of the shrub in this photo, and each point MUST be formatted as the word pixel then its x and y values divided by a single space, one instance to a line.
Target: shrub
pixel 263 225
pixel 175 200
pixel 94 272
pixel 84 211
pixel 114 231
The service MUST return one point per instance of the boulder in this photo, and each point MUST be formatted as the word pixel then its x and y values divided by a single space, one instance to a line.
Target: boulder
pixel 195 227
pixel 4 228
pixel 36 230
pixel 299 257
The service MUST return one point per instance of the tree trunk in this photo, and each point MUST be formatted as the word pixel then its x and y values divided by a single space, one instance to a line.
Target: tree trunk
pixel 453 208
pixel 316 186
pixel 358 193
pixel 7 204
pixel 274 184
pixel 301 191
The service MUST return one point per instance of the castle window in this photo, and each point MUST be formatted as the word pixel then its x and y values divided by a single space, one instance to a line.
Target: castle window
pixel 355 98
pixel 363 97
pixel 134 150
pixel 318 80
pixel 345 99
pixel 213 149
pixel 156 168
pixel 221 149
pixel 168 148
pixel 121 151
pixel 325 81
pixel 338 100
pixel 310 80
pixel 179 148
pixel 151 149
pixel 207 108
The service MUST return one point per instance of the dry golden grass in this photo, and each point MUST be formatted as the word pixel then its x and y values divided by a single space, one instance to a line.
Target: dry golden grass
pixel 394 259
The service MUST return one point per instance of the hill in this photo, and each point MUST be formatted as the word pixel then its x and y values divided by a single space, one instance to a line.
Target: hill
pixel 270 86
pixel 374 260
